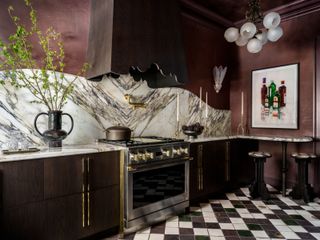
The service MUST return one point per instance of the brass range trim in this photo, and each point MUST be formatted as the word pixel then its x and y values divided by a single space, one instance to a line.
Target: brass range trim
pixel 88 192
pixel 121 195
pixel 82 195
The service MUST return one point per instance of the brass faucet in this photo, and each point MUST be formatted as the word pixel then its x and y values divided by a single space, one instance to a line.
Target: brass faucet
pixel 135 105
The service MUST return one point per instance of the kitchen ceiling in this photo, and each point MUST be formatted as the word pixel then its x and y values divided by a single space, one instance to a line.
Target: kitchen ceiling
pixel 233 11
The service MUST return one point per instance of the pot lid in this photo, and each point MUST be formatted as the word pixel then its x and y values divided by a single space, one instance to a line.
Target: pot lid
pixel 118 128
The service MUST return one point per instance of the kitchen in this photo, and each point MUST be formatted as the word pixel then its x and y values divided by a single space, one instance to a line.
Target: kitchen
pixel 83 190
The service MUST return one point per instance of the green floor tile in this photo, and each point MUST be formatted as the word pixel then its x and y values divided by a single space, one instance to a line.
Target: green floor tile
pixel 254 227
pixel 239 206
pixel 230 210
pixel 245 233
pixel 299 217
pixel 196 214
pixel 202 238
pixel 290 222
pixel 184 218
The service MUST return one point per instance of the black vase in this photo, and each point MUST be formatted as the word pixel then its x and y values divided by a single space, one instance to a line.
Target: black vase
pixel 54 135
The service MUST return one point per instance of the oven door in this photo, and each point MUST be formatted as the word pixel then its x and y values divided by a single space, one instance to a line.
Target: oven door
pixel 155 187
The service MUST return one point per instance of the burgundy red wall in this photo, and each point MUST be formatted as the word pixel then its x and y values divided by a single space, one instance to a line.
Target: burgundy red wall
pixel 296 46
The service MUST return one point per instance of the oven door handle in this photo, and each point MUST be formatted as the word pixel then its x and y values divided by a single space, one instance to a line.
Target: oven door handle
pixel 161 164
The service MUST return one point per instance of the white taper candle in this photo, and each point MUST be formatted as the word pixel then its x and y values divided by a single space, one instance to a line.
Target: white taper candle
pixel 206 104
pixel 178 106
pixel 200 103
pixel 241 103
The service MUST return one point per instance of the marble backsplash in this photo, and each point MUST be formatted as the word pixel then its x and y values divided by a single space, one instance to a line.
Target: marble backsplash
pixel 96 106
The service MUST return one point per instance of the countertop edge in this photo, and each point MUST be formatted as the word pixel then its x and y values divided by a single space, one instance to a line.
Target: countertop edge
pixel 67 150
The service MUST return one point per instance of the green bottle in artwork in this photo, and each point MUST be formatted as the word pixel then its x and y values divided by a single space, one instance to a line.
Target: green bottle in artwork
pixel 271 92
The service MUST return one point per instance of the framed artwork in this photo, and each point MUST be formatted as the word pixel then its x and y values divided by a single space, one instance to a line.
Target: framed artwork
pixel 275 97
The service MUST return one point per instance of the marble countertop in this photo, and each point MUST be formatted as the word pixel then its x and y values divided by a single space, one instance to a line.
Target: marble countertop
pixel 46 152
pixel 253 137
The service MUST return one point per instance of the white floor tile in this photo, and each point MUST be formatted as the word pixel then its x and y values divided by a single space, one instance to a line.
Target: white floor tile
pixel 236 220
pixel 141 236
pixel 170 230
pixel 185 224
pixel 316 235
pixel 290 235
pixel 200 232
pixel 298 229
pixel 215 232
pixel 210 220
pixel 216 238
pixel 259 234
pixel 240 226
pixel 226 226
pixel 282 229
pixel 145 230
pixel 156 236
pixel 277 222
pixel 173 219
pixel 172 224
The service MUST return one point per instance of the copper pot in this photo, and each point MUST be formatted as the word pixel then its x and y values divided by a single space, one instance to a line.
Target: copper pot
pixel 118 133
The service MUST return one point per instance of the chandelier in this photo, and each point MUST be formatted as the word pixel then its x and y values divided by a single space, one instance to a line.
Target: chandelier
pixel 252 33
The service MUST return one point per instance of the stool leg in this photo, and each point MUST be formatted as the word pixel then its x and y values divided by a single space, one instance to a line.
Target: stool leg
pixel 302 189
pixel 259 188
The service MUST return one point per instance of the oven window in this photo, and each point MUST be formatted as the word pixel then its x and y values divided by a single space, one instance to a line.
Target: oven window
pixel 155 185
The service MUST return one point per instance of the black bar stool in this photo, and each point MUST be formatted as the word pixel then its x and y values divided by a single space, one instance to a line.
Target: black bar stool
pixel 302 189
pixel 258 188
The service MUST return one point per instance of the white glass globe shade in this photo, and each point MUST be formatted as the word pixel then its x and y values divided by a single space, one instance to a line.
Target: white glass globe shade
pixel 274 34
pixel 231 34
pixel 248 30
pixel 241 41
pixel 254 45
pixel 263 37
pixel 271 20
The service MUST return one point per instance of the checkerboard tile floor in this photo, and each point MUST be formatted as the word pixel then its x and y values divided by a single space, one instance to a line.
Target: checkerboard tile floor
pixel 237 216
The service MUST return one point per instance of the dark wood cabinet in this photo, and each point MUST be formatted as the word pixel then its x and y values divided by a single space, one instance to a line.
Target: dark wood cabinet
pixel 68 197
pixel 64 217
pixel 63 176
pixel 21 182
pixel 23 222
pixel 102 165
pixel 241 165
pixel 209 169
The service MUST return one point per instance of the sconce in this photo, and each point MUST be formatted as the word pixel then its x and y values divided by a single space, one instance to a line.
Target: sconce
pixel 218 76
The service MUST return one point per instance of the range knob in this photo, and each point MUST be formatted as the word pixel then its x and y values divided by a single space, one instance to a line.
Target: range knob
pixel 165 152
pixel 184 150
pixel 149 155
pixel 141 156
pixel 133 157
pixel 176 151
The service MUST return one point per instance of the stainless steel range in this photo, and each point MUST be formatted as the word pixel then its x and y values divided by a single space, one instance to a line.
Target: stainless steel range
pixel 156 180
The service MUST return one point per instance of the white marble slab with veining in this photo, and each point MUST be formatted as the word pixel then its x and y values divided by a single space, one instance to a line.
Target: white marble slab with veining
pixel 253 137
pixel 59 152
pixel 95 106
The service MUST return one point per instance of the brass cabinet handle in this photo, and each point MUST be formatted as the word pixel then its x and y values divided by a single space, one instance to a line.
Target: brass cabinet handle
pixel 88 192
pixel 200 166
pixel 83 212
pixel 83 189
pixel 88 209
pixel 227 161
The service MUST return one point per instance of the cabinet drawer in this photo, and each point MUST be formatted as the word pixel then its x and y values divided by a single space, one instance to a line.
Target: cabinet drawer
pixel 25 222
pixel 63 176
pixel 104 169
pixel 21 182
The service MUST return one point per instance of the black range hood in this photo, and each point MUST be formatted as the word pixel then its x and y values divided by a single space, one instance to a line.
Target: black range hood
pixel 140 37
